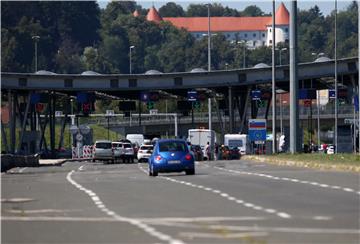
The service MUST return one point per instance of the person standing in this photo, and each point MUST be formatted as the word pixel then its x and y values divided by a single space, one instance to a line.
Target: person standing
pixel 208 150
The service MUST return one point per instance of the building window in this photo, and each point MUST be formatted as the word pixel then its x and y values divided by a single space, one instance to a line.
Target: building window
pixel 197 35
pixel 263 43
pixel 228 35
pixel 270 41
pixel 269 30
pixel 245 35
pixel 254 44
pixel 263 34
pixel 254 35
pixel 286 30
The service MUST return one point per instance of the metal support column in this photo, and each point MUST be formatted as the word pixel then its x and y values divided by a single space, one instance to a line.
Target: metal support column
pixel 294 86
pixel 219 119
pixel 52 123
pixel 12 109
pixel 231 111
pixel 243 117
pixel 23 127
pixel 336 84
pixel 4 139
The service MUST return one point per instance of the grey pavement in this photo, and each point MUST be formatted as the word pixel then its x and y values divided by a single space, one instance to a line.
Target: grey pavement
pixel 225 202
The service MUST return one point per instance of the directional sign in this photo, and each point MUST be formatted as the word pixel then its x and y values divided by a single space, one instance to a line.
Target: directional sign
pixel 256 95
pixel 356 103
pixel 192 96
pixel 331 93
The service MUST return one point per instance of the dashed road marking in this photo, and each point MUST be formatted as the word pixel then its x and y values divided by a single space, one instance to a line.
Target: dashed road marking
pixel 149 230
pixel 224 195
pixel 346 189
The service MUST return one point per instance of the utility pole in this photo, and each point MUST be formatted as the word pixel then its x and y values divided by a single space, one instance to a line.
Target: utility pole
pixel 36 39
pixel 209 64
pixel 294 86
pixel 336 85
pixel 273 82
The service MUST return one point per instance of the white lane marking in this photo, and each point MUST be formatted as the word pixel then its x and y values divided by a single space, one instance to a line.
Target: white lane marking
pixel 36 211
pixel 192 235
pixel 346 189
pixel 322 218
pixel 224 195
pixel 149 230
pixel 199 219
pixel 81 168
pixel 286 229
pixel 22 170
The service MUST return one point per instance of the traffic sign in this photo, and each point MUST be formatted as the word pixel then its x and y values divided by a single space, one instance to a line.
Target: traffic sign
pixel 84 129
pixel 331 93
pixel 196 105
pixel 58 113
pixel 144 96
pixel 257 129
pixel 256 95
pixel 73 129
pixel 356 103
pixel 79 137
pixel 192 96
pixel 150 105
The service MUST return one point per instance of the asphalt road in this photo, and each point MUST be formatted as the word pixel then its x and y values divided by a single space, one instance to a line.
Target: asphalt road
pixel 225 202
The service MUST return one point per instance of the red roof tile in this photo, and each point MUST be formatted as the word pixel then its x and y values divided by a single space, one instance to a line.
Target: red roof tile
pixel 281 16
pixel 220 24
pixel 153 15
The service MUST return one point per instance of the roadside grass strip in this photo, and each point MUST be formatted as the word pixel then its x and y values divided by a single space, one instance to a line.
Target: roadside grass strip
pixel 100 204
pixel 313 183
pixel 225 196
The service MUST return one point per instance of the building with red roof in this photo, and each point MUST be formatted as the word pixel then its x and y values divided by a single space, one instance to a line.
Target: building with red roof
pixel 255 31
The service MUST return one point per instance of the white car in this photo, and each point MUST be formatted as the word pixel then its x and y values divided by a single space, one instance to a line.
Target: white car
pixel 144 152
pixel 128 152
pixel 103 150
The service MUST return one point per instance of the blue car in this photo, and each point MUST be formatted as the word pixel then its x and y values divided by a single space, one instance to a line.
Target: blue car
pixel 171 155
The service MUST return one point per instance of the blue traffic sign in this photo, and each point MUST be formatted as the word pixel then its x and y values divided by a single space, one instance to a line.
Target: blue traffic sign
pixel 256 95
pixel 257 135
pixel 356 103
pixel 192 96
pixel 331 93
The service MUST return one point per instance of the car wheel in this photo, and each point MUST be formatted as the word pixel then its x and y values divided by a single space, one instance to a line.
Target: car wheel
pixel 150 170
pixel 93 160
pixel 190 171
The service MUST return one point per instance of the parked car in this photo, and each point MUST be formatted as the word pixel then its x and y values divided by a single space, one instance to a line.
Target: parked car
pixel 171 155
pixel 118 150
pixel 198 152
pixel 103 150
pixel 144 152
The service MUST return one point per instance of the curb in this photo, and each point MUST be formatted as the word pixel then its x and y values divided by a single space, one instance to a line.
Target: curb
pixel 302 164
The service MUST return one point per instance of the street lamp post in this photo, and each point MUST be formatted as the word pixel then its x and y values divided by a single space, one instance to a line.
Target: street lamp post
pixel 209 64
pixel 244 52
pixel 273 85
pixel 36 39
pixel 336 85
pixel 130 62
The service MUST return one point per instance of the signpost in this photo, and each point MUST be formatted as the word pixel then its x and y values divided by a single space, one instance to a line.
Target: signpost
pixel 257 131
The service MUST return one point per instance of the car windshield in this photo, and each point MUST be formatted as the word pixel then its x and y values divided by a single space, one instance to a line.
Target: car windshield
pixel 116 144
pixel 103 145
pixel 127 145
pixel 146 148
pixel 172 146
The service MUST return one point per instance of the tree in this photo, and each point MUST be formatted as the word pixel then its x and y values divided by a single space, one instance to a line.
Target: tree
pixel 252 11
pixel 68 60
pixel 171 9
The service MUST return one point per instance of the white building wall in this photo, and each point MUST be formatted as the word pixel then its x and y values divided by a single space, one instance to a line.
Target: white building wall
pixel 281 34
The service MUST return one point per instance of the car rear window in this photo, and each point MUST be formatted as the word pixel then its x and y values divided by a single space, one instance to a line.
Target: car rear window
pixel 127 146
pixel 146 148
pixel 103 145
pixel 116 144
pixel 172 146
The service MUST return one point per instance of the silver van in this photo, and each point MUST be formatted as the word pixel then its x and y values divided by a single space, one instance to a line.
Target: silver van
pixel 103 151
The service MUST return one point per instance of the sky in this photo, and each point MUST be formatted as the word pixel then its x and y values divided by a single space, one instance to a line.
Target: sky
pixel 325 6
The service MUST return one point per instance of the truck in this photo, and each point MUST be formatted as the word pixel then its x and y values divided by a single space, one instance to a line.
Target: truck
pixel 202 137
pixel 240 141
